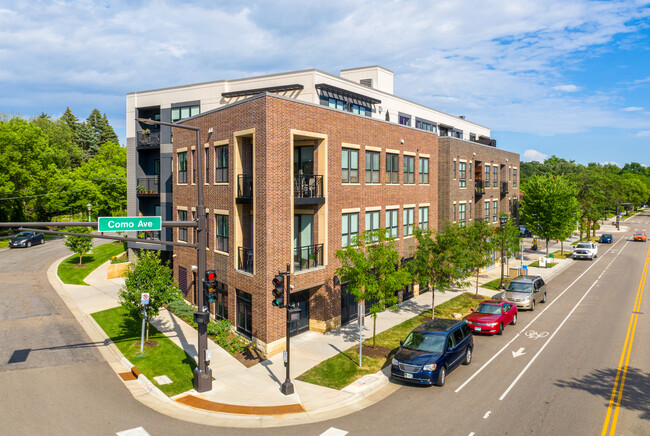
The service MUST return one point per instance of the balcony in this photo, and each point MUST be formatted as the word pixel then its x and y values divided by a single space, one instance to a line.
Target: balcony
pixel 479 188
pixel 504 189
pixel 244 189
pixel 148 186
pixel 147 140
pixel 307 257
pixel 308 189
pixel 245 259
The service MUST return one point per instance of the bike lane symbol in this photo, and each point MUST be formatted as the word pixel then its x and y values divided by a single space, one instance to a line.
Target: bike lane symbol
pixel 532 334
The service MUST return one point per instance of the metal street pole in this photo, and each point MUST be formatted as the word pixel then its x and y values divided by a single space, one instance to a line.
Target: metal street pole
pixel 503 221
pixel 287 386
pixel 202 373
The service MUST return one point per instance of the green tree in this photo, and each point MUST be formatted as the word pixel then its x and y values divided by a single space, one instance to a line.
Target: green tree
pixel 148 274
pixel 549 206
pixel 79 244
pixel 481 245
pixel 439 260
pixel 371 268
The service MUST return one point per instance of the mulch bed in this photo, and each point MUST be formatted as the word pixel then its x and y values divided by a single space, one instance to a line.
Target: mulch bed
pixel 249 357
pixel 377 352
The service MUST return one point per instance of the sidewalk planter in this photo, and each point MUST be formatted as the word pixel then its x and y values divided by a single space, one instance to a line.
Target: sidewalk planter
pixel 117 270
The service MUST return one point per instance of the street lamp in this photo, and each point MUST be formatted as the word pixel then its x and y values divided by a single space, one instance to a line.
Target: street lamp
pixel 202 373
pixel 89 206
pixel 503 220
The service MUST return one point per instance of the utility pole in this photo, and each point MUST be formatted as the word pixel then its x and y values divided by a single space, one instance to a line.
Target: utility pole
pixel 287 386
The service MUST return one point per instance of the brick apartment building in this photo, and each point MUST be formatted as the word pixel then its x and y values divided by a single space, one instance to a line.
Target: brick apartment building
pixel 295 165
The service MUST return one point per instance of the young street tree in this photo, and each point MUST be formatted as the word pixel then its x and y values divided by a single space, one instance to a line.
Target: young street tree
pixel 439 260
pixel 148 275
pixel 481 242
pixel 79 244
pixel 512 239
pixel 371 268
pixel 549 206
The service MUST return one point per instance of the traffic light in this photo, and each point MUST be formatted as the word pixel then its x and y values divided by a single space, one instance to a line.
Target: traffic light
pixel 210 285
pixel 278 291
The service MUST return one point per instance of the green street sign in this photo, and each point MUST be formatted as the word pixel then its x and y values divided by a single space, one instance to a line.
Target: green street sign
pixel 129 223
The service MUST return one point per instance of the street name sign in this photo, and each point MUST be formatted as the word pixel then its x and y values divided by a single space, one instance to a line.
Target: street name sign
pixel 129 223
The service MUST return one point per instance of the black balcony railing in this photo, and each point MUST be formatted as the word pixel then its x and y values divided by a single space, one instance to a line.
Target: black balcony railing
pixel 245 259
pixel 308 186
pixel 155 235
pixel 307 257
pixel 245 186
pixel 479 188
pixel 150 139
pixel 504 188
pixel 148 185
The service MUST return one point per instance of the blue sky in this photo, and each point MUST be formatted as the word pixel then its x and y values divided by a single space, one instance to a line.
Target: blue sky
pixel 568 77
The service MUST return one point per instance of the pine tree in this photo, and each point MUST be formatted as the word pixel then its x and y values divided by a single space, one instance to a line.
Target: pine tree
pixel 69 118
pixel 107 134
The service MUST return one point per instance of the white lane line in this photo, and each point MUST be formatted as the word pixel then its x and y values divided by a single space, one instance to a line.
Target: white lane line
pixel 548 305
pixel 523 371
pixel 471 434
pixel 334 432
pixel 138 431
pixel 487 414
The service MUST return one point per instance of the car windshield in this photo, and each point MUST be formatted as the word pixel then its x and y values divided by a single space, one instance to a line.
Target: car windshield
pixel 520 287
pixel 23 235
pixel 607 236
pixel 583 246
pixel 431 343
pixel 490 309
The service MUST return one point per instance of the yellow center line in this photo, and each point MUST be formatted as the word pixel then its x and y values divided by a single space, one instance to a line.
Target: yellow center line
pixel 617 390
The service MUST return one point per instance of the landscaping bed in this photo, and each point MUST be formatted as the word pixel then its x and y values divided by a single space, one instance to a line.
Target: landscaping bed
pixel 71 273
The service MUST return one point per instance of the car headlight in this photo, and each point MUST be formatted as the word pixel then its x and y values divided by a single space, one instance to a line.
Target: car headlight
pixel 395 362
pixel 492 324
pixel 429 367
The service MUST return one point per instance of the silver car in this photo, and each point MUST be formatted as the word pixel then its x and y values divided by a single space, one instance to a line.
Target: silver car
pixel 526 291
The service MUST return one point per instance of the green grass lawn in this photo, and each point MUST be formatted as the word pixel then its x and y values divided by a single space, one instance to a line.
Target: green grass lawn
pixel 342 369
pixel 71 274
pixel 166 358
pixel 548 264
pixel 558 254
pixel 494 284
pixel 4 243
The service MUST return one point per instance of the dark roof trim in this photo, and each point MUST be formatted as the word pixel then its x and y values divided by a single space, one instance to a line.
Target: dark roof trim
pixel 345 93
pixel 294 87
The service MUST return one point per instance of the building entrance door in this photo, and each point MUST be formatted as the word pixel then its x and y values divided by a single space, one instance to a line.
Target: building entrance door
pixel 301 301
pixel 349 307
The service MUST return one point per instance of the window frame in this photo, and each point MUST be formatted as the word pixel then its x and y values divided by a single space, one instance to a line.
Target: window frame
pixel 423 224
pixel 462 174
pixel 348 219
pixel 495 210
pixel 462 210
pixel 391 223
pixel 221 164
pixel 495 176
pixel 371 172
pixel 347 174
pixel 408 165
pixel 423 162
pixel 408 216
pixel 221 237
pixel 182 231
pixel 181 174
pixel 392 168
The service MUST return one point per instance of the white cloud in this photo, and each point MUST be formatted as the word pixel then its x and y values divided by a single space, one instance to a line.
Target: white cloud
pixel 567 88
pixel 643 134
pixel 534 155
pixel 632 109
pixel 611 163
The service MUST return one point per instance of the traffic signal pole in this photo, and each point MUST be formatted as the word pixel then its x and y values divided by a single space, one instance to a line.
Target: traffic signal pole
pixel 287 386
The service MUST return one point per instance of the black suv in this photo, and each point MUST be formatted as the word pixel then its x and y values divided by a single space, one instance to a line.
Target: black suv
pixel 432 350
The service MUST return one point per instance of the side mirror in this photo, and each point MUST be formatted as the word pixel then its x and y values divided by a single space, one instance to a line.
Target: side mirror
pixel 472 309
pixel 401 343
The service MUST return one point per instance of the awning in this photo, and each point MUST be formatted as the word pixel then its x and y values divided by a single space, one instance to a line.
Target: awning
pixel 345 95
pixel 283 88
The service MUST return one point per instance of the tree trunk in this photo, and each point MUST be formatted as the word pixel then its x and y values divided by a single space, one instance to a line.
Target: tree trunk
pixel 433 300
pixel 147 333
pixel 477 282
pixel 374 328
pixel 562 247
pixel 547 248
pixel 80 257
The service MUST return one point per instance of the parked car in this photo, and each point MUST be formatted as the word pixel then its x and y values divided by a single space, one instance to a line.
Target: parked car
pixel 524 232
pixel 491 316
pixel 525 291
pixel 585 250
pixel 26 239
pixel 606 238
pixel 433 350
pixel 639 236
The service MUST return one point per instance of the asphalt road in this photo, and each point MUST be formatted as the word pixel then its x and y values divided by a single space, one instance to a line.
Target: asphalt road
pixel 571 354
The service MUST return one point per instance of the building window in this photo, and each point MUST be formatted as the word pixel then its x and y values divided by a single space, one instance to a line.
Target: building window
pixel 207 230
pixel 392 168
pixel 195 238
pixel 207 165
pixel 193 166
pixel 487 176
pixel 221 222
pixel 372 167
pixel 182 167
pixel 336 104
pixel 408 221
pixel 461 214
pixel 472 136
pixel 180 113
pixel 350 166
pixel 361 110
pixel 454 170
pixel 457 134
pixel 469 212
pixel 221 304
pixel 486 207
pixel 391 223
pixel 409 170
pixel 462 174
pixel 350 228
pixel 244 313
pixel 221 164
pixel 514 177
pixel 372 222
pixel 405 120
pixel 453 213
pixel 495 177
pixel 425 125
pixel 495 210
pixel 423 170
pixel 182 231
pixel 423 218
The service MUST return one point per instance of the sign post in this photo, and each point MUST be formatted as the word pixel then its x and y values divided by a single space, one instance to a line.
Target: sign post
pixel 362 314
pixel 144 300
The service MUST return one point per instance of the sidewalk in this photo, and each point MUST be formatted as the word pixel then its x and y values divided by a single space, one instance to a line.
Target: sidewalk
pixel 251 397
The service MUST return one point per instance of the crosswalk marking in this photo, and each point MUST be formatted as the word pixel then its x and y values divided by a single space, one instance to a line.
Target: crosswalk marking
pixel 334 432
pixel 138 431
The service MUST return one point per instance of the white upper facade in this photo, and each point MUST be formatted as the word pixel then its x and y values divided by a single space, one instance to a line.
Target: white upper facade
pixel 363 91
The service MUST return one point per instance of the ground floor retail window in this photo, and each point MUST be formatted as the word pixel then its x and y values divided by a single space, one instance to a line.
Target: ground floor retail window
pixel 244 313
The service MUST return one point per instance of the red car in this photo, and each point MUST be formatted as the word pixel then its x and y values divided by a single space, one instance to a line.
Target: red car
pixel 639 236
pixel 491 316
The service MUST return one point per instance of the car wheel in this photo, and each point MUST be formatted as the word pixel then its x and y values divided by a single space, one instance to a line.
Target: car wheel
pixel 500 332
pixel 544 299
pixel 29 244
pixel 468 356
pixel 532 305
pixel 514 320
pixel 441 377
